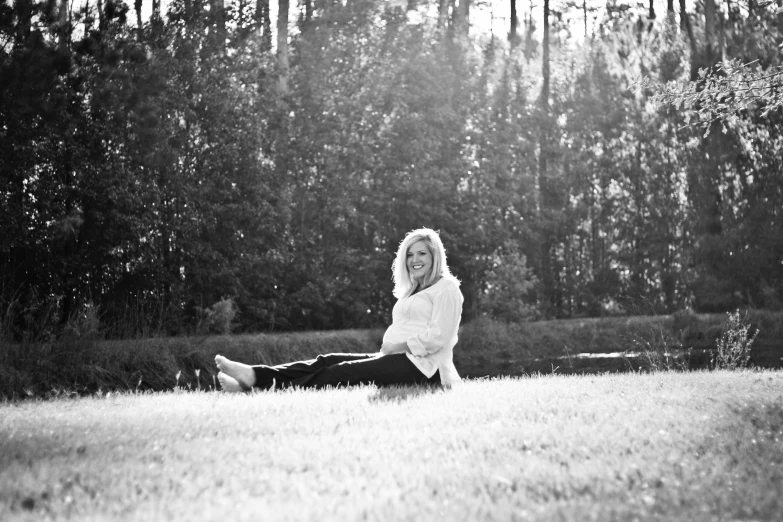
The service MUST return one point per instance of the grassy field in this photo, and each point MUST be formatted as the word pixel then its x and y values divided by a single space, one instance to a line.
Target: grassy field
pixel 662 446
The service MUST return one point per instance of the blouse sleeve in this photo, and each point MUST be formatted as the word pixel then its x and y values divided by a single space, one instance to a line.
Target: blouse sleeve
pixel 443 326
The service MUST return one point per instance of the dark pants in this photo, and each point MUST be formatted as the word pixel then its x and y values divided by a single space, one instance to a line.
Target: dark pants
pixel 343 369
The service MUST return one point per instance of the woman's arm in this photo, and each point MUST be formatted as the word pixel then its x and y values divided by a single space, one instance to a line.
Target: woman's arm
pixel 443 326
pixel 388 348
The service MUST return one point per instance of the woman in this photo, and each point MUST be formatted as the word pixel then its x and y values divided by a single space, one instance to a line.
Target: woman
pixel 417 348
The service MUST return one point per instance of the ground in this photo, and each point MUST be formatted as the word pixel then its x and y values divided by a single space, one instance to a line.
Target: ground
pixel 665 446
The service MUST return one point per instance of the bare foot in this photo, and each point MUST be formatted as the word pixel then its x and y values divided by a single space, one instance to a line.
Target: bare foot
pixel 229 384
pixel 242 373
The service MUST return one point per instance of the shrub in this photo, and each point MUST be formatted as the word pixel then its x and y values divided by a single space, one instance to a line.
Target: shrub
pixel 659 347
pixel 218 318
pixel 83 323
pixel 733 345
pixel 510 286
pixel 601 293
pixel 685 319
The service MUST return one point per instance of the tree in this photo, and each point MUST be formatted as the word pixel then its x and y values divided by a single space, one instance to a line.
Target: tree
pixel 512 34
pixel 722 97
pixel 462 18
pixel 264 23
pixel 546 203
pixel 510 293
pixel 155 168
pixel 282 46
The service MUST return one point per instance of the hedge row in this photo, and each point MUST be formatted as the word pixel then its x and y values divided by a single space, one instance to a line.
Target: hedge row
pixel 486 348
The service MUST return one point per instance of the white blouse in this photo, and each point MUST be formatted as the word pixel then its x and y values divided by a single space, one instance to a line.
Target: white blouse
pixel 428 322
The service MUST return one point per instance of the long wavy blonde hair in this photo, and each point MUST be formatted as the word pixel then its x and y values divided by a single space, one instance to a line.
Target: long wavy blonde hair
pixel 404 283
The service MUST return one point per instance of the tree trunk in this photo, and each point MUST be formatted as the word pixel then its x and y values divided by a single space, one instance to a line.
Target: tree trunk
pixel 24 16
pixel 219 14
pixel 685 25
pixel 443 13
pixel 545 57
pixel 137 5
pixel 704 179
pixel 62 29
pixel 584 12
pixel 282 46
pixel 101 19
pixel 453 20
pixel 308 11
pixel 651 15
pixel 721 35
pixel 512 34
pixel 709 33
pixel 546 292
pixel 780 23
pixel 462 18
pixel 264 23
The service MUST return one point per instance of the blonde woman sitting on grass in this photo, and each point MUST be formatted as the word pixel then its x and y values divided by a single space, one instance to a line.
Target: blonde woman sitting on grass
pixel 417 348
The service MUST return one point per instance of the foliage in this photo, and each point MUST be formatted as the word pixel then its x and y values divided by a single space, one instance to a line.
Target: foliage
pixel 84 366
pixel 510 286
pixel 659 348
pixel 733 345
pixel 218 318
pixel 151 167
pixel 724 93
pixel 486 347
pixel 84 323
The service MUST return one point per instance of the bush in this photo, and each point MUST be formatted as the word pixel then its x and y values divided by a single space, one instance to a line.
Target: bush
pixel 733 345
pixel 659 347
pixel 685 320
pixel 510 286
pixel 83 323
pixel 153 364
pixel 218 318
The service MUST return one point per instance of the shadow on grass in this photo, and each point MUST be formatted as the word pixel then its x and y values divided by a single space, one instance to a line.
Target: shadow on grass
pixel 403 393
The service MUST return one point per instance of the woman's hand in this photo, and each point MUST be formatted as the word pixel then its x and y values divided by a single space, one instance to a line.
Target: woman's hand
pixel 388 348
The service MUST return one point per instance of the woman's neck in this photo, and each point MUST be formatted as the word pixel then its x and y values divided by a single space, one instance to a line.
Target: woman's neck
pixel 420 285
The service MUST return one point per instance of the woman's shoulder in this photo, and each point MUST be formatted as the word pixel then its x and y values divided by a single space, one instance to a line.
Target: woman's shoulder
pixel 448 284
pixel 450 280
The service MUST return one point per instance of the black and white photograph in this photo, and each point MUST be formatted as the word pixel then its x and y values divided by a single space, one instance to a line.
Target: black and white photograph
pixel 391 260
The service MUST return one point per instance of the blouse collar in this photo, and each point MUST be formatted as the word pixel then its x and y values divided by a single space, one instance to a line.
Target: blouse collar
pixel 425 289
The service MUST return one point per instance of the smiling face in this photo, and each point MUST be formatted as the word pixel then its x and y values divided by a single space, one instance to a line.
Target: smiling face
pixel 419 261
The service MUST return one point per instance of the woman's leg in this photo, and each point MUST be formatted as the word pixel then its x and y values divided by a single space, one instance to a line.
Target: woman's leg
pixel 262 376
pixel 284 375
pixel 388 370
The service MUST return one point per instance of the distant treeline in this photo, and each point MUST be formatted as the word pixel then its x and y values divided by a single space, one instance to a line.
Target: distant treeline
pixel 151 169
